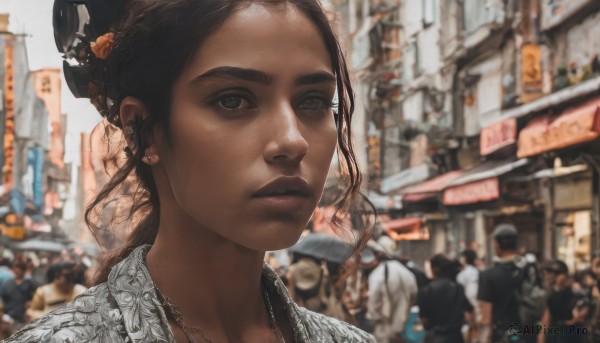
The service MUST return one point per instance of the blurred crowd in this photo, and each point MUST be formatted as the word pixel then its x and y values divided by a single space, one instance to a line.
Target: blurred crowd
pixel 516 298
pixel 33 283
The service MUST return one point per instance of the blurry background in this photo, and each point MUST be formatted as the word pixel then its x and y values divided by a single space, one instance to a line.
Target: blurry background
pixel 469 113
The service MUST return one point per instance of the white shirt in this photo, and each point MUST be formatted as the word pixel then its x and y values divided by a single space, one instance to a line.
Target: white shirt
pixel 402 286
pixel 469 279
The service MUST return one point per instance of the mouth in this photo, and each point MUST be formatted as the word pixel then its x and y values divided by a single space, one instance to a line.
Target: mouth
pixel 284 195
pixel 285 186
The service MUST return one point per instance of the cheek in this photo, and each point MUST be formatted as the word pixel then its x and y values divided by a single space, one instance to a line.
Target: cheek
pixel 324 141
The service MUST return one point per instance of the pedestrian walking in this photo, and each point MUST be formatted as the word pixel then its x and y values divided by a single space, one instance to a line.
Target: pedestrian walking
pixel 443 306
pixel 510 293
pixel 231 112
pixel 62 289
pixel 468 278
pixel 392 293
pixel 16 293
pixel 564 307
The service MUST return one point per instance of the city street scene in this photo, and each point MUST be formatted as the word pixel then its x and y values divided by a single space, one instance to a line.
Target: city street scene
pixel 151 151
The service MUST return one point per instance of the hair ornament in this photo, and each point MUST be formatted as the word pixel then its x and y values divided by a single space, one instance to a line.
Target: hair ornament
pixel 103 45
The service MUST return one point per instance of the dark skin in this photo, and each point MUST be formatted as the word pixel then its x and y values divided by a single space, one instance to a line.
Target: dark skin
pixel 254 104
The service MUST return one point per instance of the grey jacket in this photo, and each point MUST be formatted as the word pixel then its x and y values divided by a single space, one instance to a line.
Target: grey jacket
pixel 126 309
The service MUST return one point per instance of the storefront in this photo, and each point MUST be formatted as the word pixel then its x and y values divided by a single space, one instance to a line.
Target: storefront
pixel 482 198
pixel 570 139
pixel 573 219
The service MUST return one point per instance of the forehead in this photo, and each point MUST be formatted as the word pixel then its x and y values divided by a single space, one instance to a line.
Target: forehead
pixel 274 38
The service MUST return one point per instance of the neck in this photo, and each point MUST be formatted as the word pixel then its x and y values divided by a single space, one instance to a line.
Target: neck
pixel 507 255
pixel 215 283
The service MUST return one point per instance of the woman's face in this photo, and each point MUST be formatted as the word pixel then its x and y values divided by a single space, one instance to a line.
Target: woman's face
pixel 253 106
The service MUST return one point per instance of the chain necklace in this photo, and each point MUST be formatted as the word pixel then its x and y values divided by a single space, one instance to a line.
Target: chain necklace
pixel 173 313
pixel 278 335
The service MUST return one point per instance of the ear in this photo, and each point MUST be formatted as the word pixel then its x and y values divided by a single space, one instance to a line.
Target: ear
pixel 133 112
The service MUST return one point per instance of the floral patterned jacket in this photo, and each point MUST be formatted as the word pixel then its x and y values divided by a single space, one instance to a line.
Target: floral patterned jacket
pixel 126 309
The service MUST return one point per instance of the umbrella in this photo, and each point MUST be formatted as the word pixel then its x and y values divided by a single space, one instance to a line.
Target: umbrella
pixel 322 246
pixel 40 245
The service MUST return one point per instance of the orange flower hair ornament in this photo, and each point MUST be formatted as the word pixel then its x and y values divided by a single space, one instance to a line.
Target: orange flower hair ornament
pixel 103 45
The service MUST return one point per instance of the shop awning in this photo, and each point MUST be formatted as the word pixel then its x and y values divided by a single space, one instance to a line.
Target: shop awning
pixel 575 126
pixel 430 188
pixel 550 100
pixel 488 169
pixel 481 183
pixel 406 229
pixel 386 202
pixel 551 173
pixel 405 178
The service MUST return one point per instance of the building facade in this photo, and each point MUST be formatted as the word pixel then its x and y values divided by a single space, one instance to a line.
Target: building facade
pixel 485 114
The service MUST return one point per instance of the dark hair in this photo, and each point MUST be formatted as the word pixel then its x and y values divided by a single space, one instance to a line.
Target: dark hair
pixel 470 256
pixel 20 265
pixel 5 261
pixel 62 267
pixel 443 267
pixel 507 242
pixel 150 50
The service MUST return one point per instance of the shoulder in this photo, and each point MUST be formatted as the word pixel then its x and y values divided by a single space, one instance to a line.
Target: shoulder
pixel 91 317
pixel 324 329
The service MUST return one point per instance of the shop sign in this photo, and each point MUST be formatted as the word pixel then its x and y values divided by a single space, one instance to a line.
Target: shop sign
pixel 570 194
pixel 472 193
pixel 531 77
pixel 554 12
pixel 374 155
pixel 9 121
pixel 405 178
pixel 498 136
pixel 12 226
pixel 576 126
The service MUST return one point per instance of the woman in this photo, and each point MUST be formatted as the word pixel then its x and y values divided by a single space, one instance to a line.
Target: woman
pixel 226 107
pixel 443 292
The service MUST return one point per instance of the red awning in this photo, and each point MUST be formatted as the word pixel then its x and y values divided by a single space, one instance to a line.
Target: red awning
pixel 575 126
pixel 430 188
pixel 406 229
pixel 403 223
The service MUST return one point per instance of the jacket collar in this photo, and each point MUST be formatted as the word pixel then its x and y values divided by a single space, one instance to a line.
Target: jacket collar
pixel 131 286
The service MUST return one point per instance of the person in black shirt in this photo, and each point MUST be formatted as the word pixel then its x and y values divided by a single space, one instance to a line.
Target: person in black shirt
pixel 422 279
pixel 497 286
pixel 443 305
pixel 564 308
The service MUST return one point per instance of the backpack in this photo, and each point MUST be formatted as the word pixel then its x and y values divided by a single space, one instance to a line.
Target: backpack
pixel 529 294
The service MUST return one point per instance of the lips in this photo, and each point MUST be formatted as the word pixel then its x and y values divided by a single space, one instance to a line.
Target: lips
pixel 284 186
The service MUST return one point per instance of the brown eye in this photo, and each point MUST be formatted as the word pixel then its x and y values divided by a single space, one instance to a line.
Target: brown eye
pixel 313 104
pixel 233 103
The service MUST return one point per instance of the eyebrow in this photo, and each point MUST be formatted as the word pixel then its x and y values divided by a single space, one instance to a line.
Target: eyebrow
pixel 260 77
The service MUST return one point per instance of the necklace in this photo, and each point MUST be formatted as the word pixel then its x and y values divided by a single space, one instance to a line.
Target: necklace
pixel 173 313
pixel 278 335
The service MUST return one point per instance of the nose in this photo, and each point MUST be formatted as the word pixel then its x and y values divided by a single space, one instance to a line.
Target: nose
pixel 286 143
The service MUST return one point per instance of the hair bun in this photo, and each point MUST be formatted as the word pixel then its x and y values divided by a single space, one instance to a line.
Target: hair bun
pixel 77 23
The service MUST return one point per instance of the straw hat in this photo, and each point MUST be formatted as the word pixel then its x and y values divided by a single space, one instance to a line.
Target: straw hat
pixel 306 274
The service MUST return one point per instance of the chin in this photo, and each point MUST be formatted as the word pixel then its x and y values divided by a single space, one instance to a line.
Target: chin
pixel 282 237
